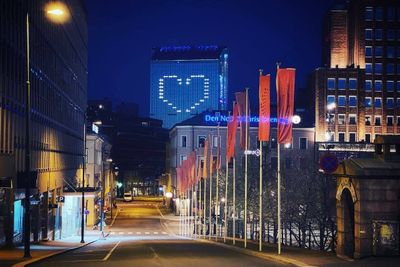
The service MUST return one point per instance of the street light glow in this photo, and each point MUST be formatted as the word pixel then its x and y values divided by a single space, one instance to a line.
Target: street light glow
pixel 168 195
pixel 57 12
pixel 331 106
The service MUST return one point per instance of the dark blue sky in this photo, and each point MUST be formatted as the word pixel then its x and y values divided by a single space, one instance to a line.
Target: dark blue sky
pixel 258 33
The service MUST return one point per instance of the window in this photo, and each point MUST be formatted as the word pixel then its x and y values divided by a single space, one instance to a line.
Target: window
pixel 341 118
pixel 368 51
pixel 330 99
pixel 377 120
pixel 342 84
pixel 389 120
pixel 378 102
pixel 391 34
pixel 369 13
pixel 379 13
pixel 398 121
pixel 398 86
pixel 398 52
pixel 201 139
pixel 368 102
pixel 183 140
pixel 378 34
pixel 352 137
pixel 183 158
pixel 390 68
pixel 391 13
pixel 353 84
pixel 215 141
pixel 398 102
pixel 368 120
pixel 378 85
pixel 368 138
pixel 352 119
pixel 303 143
pixel 341 101
pixel 378 51
pixel 341 137
pixel 368 34
pixel 390 86
pixel 353 101
pixel 390 52
pixel 389 102
pixel 368 85
pixel 331 84
pixel 378 68
pixel 368 68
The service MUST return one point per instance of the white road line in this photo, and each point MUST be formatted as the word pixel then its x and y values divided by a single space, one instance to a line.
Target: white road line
pixel 129 233
pixel 146 233
pixel 111 251
pixel 164 233
pixel 116 215
pixel 121 233
pixel 138 233
pixel 112 233
pixel 156 233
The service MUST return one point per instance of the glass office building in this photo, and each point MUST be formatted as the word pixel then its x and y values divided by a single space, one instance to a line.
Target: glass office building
pixel 186 80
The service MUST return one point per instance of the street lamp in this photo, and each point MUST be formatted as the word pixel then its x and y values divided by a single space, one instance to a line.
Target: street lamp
pixel 54 12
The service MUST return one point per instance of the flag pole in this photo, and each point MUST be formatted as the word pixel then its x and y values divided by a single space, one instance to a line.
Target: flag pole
pixel 200 207
pixel 260 193
pixel 226 185
pixel 216 185
pixel 210 200
pixel 204 206
pixel 279 185
pixel 193 210
pixel 245 166
pixel 234 200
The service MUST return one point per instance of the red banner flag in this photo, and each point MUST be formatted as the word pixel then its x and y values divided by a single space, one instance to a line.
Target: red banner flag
pixel 241 98
pixel 285 100
pixel 265 110
pixel 218 163
pixel 179 178
pixel 205 159
pixel 232 127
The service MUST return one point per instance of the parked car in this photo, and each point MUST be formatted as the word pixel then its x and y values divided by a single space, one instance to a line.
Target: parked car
pixel 127 196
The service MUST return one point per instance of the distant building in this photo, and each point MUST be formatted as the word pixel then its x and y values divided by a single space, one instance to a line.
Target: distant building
pixel 58 78
pixel 360 81
pixel 186 80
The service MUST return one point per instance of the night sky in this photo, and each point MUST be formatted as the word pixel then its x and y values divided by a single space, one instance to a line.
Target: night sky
pixel 258 33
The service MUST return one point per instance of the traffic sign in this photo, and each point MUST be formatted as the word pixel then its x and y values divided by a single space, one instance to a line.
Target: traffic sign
pixel 328 163
pixel 60 199
pixel 86 212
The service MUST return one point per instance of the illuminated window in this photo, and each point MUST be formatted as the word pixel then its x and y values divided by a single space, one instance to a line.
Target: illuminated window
pixel 378 34
pixel 398 52
pixel 201 139
pixel 368 34
pixel 183 158
pixel 390 102
pixel 183 140
pixel 368 68
pixel 378 102
pixel 369 13
pixel 378 51
pixel 378 85
pixel 398 86
pixel 390 52
pixel 342 84
pixel 389 120
pixel 368 102
pixel 341 101
pixel 368 51
pixel 353 84
pixel 330 99
pixel 368 85
pixel 352 137
pixel 341 119
pixel 303 143
pixel 215 141
pixel 398 102
pixel 398 121
pixel 352 119
pixel 353 101
pixel 331 83
pixel 390 86
pixel 378 121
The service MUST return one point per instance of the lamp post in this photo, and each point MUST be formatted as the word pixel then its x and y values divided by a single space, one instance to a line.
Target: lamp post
pixel 58 13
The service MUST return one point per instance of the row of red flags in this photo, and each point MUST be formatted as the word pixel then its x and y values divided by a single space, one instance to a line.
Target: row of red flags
pixel 190 171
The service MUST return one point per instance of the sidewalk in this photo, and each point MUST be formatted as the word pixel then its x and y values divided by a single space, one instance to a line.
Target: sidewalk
pixel 44 249
pixel 291 256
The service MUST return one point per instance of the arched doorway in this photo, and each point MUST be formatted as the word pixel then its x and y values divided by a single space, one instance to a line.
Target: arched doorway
pixel 347 205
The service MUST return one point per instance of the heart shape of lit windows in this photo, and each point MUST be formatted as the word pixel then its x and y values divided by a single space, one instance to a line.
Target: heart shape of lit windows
pixel 183 86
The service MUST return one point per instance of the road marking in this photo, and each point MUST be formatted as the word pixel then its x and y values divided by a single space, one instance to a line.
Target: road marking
pixel 146 233
pixel 112 233
pixel 121 233
pixel 116 215
pixel 129 233
pixel 111 251
pixel 156 233
pixel 164 233
pixel 138 233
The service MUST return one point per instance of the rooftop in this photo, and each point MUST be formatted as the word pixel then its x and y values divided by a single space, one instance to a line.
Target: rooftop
pixel 187 52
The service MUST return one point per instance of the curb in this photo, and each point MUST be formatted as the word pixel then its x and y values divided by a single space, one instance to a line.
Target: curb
pixel 34 260
pixel 259 254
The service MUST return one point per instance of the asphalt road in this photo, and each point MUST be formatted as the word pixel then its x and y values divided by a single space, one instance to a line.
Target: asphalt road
pixel 139 237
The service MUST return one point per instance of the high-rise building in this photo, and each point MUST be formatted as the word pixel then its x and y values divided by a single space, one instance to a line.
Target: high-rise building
pixel 186 80
pixel 58 78
pixel 358 90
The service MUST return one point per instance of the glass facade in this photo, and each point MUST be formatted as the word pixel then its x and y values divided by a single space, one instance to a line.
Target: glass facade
pixel 181 89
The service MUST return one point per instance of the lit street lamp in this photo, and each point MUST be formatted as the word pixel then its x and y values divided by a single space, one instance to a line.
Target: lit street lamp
pixel 56 12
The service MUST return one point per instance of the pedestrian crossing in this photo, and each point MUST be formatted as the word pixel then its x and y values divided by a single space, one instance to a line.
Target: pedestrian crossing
pixel 139 233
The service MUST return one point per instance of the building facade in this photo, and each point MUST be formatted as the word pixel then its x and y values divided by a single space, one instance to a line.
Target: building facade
pixel 186 80
pixel 358 90
pixel 58 75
